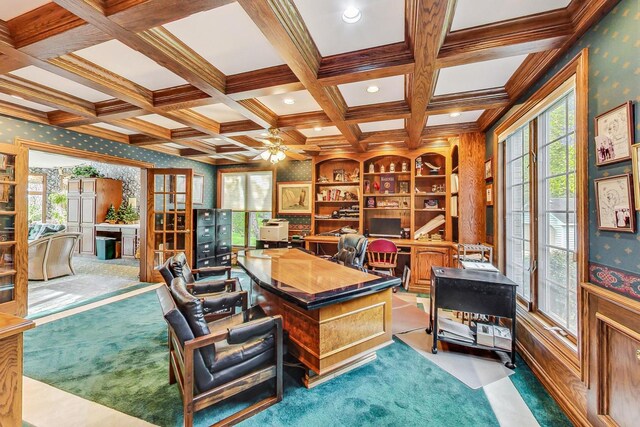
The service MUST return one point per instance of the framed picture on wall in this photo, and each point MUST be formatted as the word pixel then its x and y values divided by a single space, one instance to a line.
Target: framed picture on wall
pixel 488 169
pixel 197 189
pixel 614 133
pixel 614 204
pixel 294 198
pixel 489 194
pixel 635 169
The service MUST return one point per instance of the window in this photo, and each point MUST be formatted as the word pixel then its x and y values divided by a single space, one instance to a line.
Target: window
pixel 36 192
pixel 249 196
pixel 541 255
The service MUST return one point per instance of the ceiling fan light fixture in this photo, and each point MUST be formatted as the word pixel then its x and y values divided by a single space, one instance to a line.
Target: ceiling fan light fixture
pixel 351 15
pixel 265 155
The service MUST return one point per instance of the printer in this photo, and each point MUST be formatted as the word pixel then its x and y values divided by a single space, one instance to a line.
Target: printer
pixel 275 230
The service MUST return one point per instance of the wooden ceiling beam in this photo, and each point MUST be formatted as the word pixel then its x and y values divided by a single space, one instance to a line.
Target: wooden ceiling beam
pixel 448 131
pixel 19 111
pixel 239 127
pixel 63 119
pixel 187 134
pixel 101 133
pixel 468 101
pixel 378 112
pixel 282 25
pixel 396 135
pixel 304 120
pixel 262 82
pixel 144 127
pixel 427 25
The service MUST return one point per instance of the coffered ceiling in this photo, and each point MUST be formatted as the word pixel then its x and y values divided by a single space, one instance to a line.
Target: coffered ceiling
pixel 205 78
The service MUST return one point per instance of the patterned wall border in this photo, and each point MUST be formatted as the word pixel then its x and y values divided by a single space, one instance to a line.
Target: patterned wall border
pixel 620 281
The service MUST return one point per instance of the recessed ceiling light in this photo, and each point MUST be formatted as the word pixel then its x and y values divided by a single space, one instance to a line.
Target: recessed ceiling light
pixel 351 15
pixel 456 114
pixel 317 128
pixel 17 97
pixel 289 101
pixel 373 89
pixel 264 134
pixel 217 139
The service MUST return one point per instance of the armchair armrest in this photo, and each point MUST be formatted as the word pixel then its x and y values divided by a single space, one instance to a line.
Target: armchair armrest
pixel 225 301
pixel 221 335
pixel 213 286
pixel 242 333
pixel 226 269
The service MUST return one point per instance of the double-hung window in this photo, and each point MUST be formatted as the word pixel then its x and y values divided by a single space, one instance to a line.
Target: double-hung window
pixel 36 192
pixel 249 196
pixel 540 160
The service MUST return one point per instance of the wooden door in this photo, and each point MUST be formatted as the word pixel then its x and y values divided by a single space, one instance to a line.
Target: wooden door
pixel 169 217
pixel 13 229
pixel 424 259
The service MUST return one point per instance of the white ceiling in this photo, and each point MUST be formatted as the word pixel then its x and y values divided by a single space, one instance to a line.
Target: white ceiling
pixel 161 121
pixel 11 9
pixel 479 75
pixel 304 102
pixel 382 23
pixel 227 38
pixel 219 112
pixel 326 131
pixel 119 58
pixel 446 119
pixel 40 159
pixel 114 128
pixel 173 145
pixel 383 125
pixel 471 13
pixel 215 141
pixel 25 103
pixel 390 89
pixel 46 78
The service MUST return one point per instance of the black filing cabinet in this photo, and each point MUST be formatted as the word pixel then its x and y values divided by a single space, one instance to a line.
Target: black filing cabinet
pixel 211 237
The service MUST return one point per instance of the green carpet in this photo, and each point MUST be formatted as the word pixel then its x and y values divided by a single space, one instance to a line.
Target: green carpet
pixel 125 367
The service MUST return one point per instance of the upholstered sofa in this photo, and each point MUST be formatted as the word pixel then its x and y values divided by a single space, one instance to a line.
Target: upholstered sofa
pixel 52 256
pixel 39 230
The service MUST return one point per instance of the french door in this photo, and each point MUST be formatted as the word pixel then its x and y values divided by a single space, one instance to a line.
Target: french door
pixel 169 217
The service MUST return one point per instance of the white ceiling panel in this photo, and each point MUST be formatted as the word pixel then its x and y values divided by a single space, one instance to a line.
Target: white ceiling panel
pixel 303 102
pixel 382 23
pixel 25 103
pixel 11 9
pixel 114 128
pixel 216 141
pixel 219 112
pixel 389 89
pixel 227 38
pixel 119 58
pixel 161 121
pixel 173 145
pixel 41 159
pixel 325 131
pixel 471 13
pixel 479 75
pixel 46 78
pixel 446 119
pixel 383 125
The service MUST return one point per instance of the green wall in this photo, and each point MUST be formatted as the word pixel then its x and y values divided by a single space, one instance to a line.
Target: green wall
pixel 614 78
pixel 11 128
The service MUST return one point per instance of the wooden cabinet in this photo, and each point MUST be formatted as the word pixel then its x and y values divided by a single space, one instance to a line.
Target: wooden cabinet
pixel 423 258
pixel 129 237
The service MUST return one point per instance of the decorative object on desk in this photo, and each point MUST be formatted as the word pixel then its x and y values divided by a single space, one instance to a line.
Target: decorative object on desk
pixel 404 166
pixel 372 168
pixel 614 204
pixel 338 175
pixel 433 169
pixel 382 169
pixel 367 186
pixel 388 184
pixel 488 169
pixel 128 215
pixel 294 198
pixel 406 277
pixel 355 175
pixel 489 194
pixel 614 133
pixel 431 204
pixel 371 202
pixel 197 189
pixel 323 179
pixel 403 186
pixel 419 166
pixel 405 233
pixel 112 216
pixel 635 169
pixel 376 186
pixel 392 167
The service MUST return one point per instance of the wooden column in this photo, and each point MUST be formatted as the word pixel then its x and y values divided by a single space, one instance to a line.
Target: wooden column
pixel 471 207
pixel 11 329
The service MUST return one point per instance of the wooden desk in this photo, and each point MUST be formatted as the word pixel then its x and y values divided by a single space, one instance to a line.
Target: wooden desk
pixel 336 317
pixel 11 329
pixel 126 233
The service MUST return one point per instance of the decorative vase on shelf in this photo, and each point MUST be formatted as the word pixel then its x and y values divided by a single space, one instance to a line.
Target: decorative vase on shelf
pixel 405 167
pixel 372 168
pixel 392 167
pixel 381 168
pixel 419 166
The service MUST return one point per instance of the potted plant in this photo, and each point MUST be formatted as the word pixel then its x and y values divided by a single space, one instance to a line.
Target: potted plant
pixel 85 171
pixel 112 216
pixel 59 211
pixel 127 214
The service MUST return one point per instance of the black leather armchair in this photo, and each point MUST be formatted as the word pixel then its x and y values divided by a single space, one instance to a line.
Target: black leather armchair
pixel 215 361
pixel 178 266
pixel 352 250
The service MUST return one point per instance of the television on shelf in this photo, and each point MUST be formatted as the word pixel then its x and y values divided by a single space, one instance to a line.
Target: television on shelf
pixel 385 227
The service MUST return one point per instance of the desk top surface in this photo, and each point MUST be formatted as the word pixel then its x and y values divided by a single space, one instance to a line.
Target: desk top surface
pixel 491 277
pixel 399 242
pixel 307 280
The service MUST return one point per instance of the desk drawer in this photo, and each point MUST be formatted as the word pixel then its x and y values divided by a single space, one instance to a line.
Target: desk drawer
pixel 205 250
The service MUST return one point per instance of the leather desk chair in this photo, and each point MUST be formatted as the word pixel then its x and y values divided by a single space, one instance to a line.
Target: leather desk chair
pixel 212 362
pixel 352 250
pixel 178 266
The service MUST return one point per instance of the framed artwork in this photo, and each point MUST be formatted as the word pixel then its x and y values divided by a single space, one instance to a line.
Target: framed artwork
pixel 635 169
pixel 488 169
pixel 489 194
pixel 338 175
pixel 197 189
pixel 294 198
pixel 614 204
pixel 614 133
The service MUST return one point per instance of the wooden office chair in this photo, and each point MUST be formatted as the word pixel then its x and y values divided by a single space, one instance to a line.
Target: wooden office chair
pixel 214 361
pixel 382 254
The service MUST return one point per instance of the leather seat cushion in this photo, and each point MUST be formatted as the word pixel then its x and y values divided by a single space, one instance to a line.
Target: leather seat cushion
pixel 240 353
pixel 244 367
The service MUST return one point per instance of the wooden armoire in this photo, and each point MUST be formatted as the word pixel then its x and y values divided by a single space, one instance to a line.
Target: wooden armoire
pixel 87 202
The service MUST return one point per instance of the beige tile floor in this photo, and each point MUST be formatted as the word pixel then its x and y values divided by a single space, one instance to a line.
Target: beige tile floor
pixel 46 406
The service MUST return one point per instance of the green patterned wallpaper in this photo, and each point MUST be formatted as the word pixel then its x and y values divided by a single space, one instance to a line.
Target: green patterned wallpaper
pixel 11 128
pixel 614 78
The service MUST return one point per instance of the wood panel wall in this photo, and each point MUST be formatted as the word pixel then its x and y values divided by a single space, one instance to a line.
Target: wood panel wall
pixel 471 208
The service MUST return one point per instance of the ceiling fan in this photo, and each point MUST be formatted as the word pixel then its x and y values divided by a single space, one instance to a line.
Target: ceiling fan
pixel 276 150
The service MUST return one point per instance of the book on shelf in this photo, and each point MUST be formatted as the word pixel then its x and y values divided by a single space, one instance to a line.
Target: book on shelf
pixel 387 184
pixel 454 206
pixel 454 183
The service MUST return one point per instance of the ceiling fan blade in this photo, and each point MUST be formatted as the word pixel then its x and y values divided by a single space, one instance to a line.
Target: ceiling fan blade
pixel 295 156
pixel 258 157
pixel 265 141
